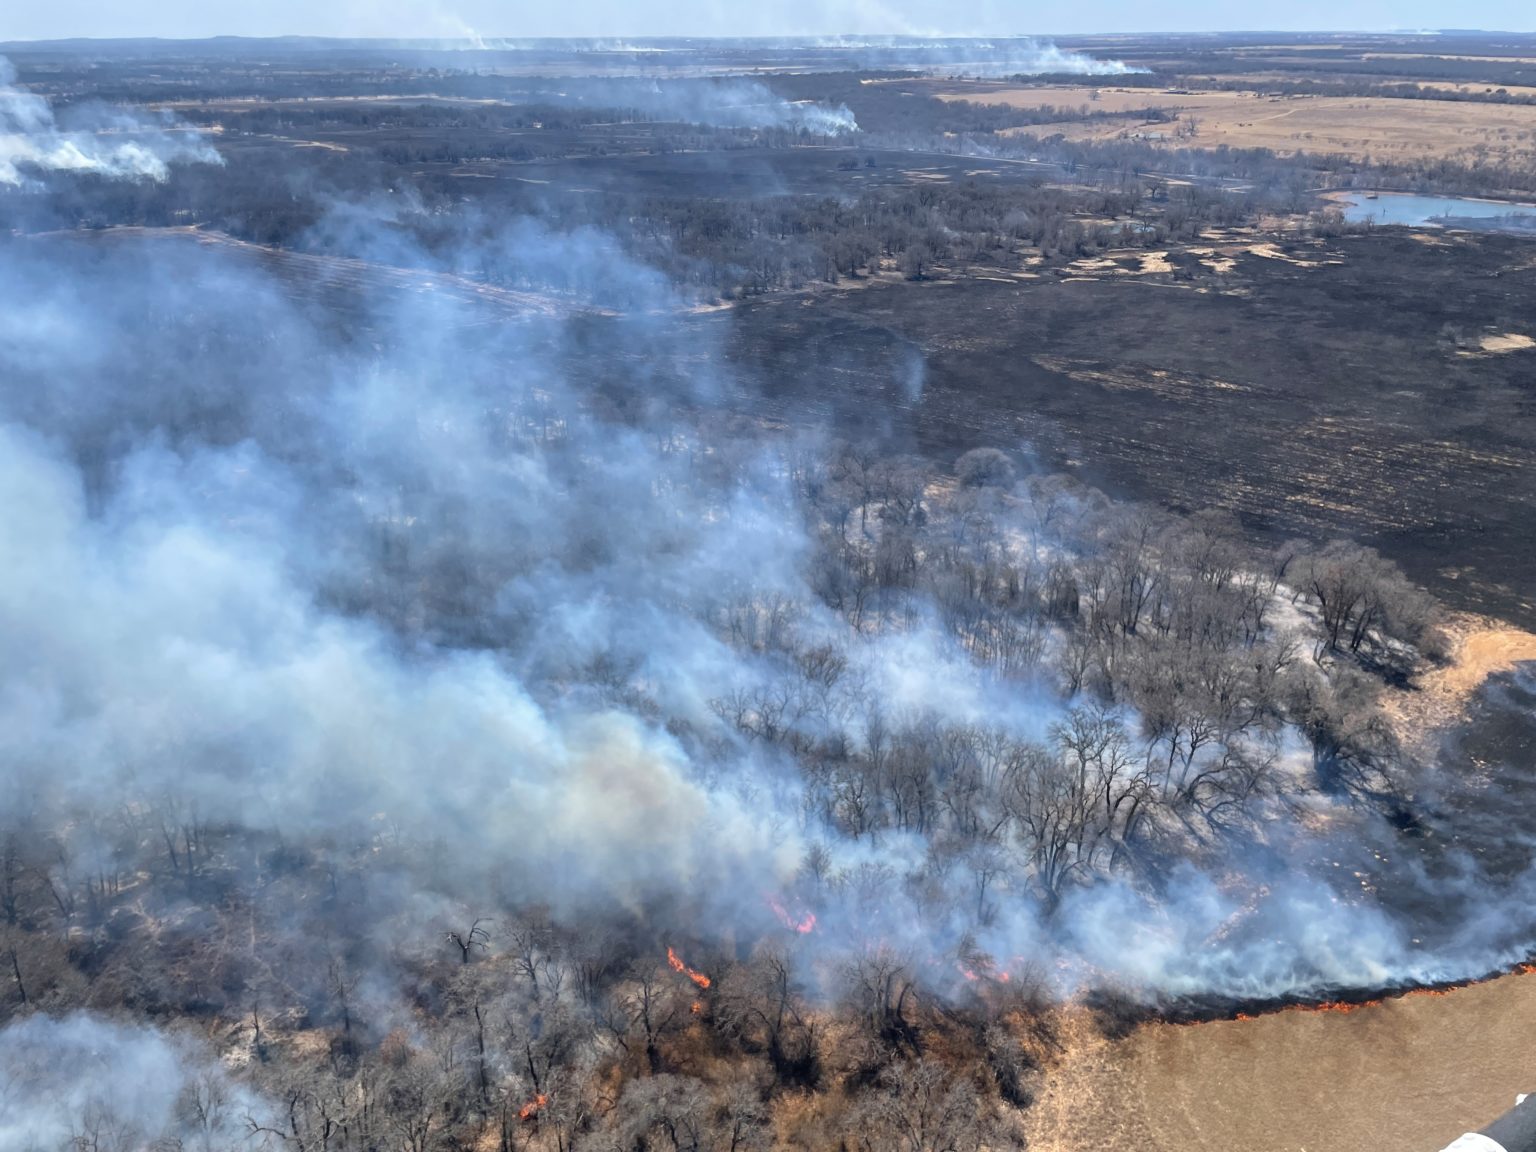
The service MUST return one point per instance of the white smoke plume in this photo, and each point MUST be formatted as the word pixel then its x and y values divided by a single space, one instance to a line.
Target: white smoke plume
pixel 114 143
pixel 999 56
pixel 1023 56
pixel 416 588
pixel 86 1082
pixel 722 103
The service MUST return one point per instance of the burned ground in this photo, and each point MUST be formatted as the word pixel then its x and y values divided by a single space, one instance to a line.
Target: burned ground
pixel 1351 410
pixel 1362 406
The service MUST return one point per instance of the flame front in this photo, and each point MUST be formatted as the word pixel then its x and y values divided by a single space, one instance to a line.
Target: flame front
pixel 531 1109
pixel 678 966
pixel 1345 1007
pixel 802 924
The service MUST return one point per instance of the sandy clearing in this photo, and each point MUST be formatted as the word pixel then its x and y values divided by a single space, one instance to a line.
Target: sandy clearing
pixel 1114 263
pixel 1508 342
pixel 1481 647
pixel 1273 252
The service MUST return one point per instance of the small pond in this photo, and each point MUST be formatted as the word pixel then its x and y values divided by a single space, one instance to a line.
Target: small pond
pixel 1437 211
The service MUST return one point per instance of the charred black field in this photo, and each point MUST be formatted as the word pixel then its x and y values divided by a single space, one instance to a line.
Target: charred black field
pixel 823 595
pixel 1357 408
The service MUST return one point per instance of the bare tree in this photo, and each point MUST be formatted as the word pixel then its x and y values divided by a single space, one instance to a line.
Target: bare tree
pixel 923 1107
pixel 477 939
pixel 761 1003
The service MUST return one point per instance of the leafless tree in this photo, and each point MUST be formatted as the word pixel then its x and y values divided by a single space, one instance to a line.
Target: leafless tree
pixel 476 939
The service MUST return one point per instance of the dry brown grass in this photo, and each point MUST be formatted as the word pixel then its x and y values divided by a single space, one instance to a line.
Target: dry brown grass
pixel 1480 647
pixel 1411 1073
pixel 1260 77
pixel 1384 129
pixel 1442 56
pixel 1501 344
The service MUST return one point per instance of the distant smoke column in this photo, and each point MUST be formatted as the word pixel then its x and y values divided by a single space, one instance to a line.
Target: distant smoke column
pixel 119 144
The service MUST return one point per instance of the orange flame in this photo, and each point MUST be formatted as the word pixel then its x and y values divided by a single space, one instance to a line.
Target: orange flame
pixel 678 966
pixel 804 924
pixel 982 968
pixel 1345 1007
pixel 531 1109
pixel 696 1007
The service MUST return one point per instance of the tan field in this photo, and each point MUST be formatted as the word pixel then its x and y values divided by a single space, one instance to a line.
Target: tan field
pixel 1442 56
pixel 1471 90
pixel 1477 89
pixel 1375 127
pixel 1481 647
pixel 1409 1075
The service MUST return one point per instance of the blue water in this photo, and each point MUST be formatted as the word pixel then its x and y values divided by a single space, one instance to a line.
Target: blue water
pixel 1431 211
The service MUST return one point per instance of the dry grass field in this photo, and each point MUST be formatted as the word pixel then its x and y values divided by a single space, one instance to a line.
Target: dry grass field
pixel 1378 128
pixel 1407 1074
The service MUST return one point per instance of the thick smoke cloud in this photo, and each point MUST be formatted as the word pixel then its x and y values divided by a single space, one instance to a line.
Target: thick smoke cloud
pixel 175 634
pixel 109 142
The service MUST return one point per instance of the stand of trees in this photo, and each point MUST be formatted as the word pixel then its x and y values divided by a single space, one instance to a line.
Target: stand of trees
pixel 1180 666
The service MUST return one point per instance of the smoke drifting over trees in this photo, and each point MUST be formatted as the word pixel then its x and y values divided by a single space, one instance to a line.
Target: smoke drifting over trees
pixel 82 1082
pixel 300 585
pixel 731 103
pixel 106 141
pixel 564 751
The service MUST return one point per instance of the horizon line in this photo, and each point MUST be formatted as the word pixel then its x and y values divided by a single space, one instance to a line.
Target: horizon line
pixel 796 36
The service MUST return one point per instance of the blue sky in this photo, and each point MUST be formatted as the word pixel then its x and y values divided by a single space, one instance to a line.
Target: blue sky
pixel 34 19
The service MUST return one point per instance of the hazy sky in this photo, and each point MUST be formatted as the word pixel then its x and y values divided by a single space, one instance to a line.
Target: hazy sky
pixel 36 19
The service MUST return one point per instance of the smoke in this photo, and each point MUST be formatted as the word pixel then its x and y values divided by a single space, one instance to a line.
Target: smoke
pixel 1009 57
pixel 464 580
pixel 113 143
pixel 82 1081
pixel 717 103
pixel 176 643
pixel 1003 56
pixel 736 104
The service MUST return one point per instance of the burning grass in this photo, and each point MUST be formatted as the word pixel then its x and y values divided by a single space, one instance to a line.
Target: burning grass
pixel 1409 1071
pixel 676 963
